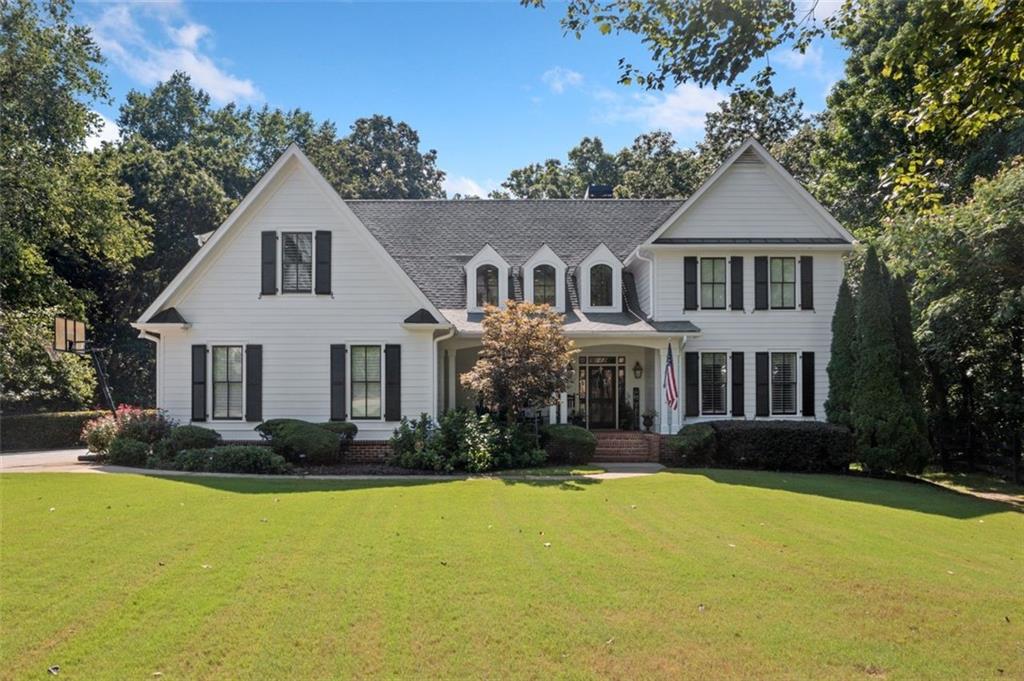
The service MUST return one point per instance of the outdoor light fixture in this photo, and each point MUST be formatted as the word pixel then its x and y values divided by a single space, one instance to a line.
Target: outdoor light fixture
pixel 638 371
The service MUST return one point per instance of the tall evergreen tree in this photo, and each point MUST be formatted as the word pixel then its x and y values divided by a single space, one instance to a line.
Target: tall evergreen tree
pixel 886 434
pixel 910 370
pixel 842 367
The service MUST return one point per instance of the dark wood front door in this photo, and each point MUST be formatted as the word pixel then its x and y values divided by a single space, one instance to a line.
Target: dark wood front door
pixel 601 396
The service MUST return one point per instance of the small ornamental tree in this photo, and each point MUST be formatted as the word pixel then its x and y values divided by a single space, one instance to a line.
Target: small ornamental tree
pixel 911 374
pixel 842 367
pixel 524 359
pixel 887 435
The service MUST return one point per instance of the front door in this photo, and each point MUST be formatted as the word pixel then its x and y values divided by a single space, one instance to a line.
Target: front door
pixel 601 386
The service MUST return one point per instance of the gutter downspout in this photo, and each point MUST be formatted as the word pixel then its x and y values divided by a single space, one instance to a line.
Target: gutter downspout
pixel 437 392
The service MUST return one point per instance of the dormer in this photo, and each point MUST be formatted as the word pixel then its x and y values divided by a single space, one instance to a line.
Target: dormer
pixel 486 280
pixel 544 279
pixel 600 281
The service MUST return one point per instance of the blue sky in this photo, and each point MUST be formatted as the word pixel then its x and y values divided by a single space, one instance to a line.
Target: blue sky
pixel 492 86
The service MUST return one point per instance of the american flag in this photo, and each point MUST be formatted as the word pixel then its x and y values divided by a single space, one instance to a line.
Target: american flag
pixel 671 391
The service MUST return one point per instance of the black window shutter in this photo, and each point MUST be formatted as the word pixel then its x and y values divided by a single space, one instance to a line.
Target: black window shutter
pixel 736 280
pixel 737 384
pixel 253 382
pixel 761 369
pixel 198 382
pixel 692 383
pixel 338 386
pixel 268 260
pixel 761 282
pixel 392 382
pixel 323 262
pixel 689 283
pixel 806 283
pixel 808 383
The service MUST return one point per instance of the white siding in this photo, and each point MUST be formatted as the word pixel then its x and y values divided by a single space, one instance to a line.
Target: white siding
pixel 224 306
pixel 750 201
pixel 641 270
pixel 753 331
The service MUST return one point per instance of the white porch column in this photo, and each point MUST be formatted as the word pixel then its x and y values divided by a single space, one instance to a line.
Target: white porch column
pixel 563 407
pixel 450 378
pixel 669 420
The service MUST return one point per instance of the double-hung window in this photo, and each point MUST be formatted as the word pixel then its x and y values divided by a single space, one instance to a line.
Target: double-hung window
pixel 713 382
pixel 712 283
pixel 227 381
pixel 366 381
pixel 783 383
pixel 297 262
pixel 783 283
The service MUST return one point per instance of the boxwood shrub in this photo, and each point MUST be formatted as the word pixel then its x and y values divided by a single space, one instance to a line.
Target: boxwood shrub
pixel 301 442
pixel 232 459
pixel 126 451
pixel 44 431
pixel 181 438
pixel 694 445
pixel 568 444
pixel 802 446
pixel 346 430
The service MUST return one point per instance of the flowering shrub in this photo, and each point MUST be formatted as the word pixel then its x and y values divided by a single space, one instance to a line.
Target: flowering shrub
pixel 144 425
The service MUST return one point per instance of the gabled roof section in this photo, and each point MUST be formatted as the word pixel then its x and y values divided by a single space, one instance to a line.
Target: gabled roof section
pixel 749 153
pixel 290 157
pixel 168 316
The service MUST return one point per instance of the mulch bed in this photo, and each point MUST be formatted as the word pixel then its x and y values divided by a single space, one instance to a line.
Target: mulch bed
pixel 363 469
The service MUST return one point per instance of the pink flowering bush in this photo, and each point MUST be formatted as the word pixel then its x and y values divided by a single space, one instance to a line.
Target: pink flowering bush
pixel 143 425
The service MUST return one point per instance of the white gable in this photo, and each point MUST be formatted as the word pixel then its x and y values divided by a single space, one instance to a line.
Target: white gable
pixel 486 256
pixel 602 255
pixel 545 256
pixel 751 196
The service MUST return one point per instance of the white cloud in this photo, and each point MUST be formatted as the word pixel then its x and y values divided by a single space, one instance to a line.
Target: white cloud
pixel 559 78
pixel 680 111
pixel 108 132
pixel 812 60
pixel 177 45
pixel 823 9
pixel 467 186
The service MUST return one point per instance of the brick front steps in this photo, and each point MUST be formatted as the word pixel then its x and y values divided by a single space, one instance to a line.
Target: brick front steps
pixel 626 446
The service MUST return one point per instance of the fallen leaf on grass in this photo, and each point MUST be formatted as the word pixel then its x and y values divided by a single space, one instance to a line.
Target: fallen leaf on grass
pixel 55 669
pixel 547 545
pixel 52 509
pixel 610 641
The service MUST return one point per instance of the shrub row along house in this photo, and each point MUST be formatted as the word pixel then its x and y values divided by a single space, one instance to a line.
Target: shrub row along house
pixel 308 306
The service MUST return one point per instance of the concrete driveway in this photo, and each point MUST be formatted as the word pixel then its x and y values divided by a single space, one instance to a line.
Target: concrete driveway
pixel 52 460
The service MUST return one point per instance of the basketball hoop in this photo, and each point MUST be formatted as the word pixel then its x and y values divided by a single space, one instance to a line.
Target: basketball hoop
pixel 69 336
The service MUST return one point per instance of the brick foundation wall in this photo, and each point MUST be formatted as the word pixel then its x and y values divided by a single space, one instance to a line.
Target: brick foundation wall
pixel 368 451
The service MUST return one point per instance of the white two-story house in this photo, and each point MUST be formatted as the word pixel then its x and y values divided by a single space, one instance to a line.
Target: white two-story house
pixel 305 305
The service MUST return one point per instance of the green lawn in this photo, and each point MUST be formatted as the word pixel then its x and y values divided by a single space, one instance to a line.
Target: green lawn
pixel 709 574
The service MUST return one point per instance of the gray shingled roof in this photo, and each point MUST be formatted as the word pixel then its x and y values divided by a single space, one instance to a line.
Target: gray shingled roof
pixel 432 240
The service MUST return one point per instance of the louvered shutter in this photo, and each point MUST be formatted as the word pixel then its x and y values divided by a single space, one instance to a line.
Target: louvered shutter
pixel 761 282
pixel 392 382
pixel 323 263
pixel 692 369
pixel 808 383
pixel 254 383
pixel 268 260
pixel 689 283
pixel 806 283
pixel 338 387
pixel 736 281
pixel 762 384
pixel 737 384
pixel 198 382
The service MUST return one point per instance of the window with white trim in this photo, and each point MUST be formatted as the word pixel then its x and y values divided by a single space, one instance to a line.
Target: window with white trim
pixel 545 285
pixel 783 283
pixel 601 282
pixel 486 285
pixel 366 381
pixel 712 283
pixel 714 374
pixel 227 381
pixel 783 383
pixel 296 262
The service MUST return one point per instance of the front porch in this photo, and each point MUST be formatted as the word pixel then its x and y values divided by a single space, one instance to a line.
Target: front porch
pixel 614 383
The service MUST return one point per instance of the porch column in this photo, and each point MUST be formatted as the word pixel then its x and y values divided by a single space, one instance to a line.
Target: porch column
pixel 450 378
pixel 563 407
pixel 670 420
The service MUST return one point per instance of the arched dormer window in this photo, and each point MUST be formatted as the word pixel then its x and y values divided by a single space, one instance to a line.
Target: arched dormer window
pixel 486 280
pixel 601 282
pixel 486 285
pixel 545 285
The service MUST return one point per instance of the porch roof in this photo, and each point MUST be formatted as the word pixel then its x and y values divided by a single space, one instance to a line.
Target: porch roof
pixel 578 322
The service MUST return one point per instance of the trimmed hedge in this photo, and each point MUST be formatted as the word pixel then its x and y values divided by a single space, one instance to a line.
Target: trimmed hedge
pixel 126 451
pixel 232 459
pixel 301 442
pixel 801 446
pixel 184 437
pixel 345 429
pixel 44 431
pixel 694 445
pixel 568 444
